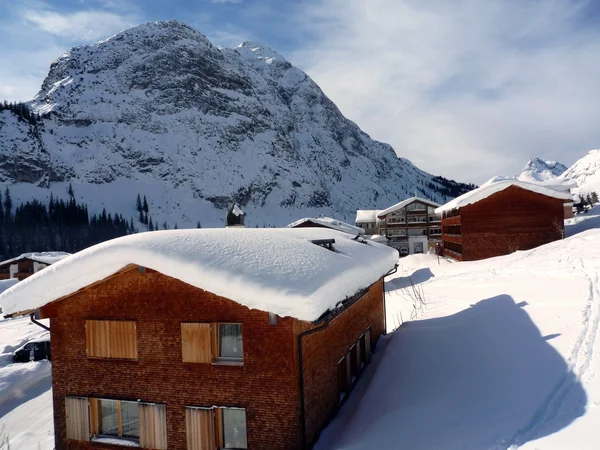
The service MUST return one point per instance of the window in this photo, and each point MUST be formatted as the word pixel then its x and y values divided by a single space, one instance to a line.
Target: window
pixel 416 207
pixel 212 343
pixel 230 341
pixel 210 428
pixel 352 363
pixel 272 319
pixel 234 428
pixel 118 419
pixel 111 339
pixel 133 423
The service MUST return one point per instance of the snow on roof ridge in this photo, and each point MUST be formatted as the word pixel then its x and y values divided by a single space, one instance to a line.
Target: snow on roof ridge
pixel 366 215
pixel 41 256
pixel 497 184
pixel 278 270
pixel 403 203
pixel 331 223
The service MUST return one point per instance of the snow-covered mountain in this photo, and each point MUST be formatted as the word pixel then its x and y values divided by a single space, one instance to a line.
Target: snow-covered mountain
pixel 538 169
pixel 159 110
pixel 586 172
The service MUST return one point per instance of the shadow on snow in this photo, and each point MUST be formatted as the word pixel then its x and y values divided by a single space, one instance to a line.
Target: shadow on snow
pixel 417 277
pixel 483 378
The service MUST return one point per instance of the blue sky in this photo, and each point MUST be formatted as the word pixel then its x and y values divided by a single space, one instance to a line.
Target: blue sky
pixel 467 89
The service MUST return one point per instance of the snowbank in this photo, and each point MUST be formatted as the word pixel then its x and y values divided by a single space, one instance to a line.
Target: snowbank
pixel 498 184
pixel 25 390
pixel 275 270
pixel 505 356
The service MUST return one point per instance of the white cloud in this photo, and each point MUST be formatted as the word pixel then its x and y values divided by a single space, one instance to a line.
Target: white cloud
pixel 80 25
pixel 466 89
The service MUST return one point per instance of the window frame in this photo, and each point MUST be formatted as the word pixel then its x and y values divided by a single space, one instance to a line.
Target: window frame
pixel 98 416
pixel 221 424
pixel 216 345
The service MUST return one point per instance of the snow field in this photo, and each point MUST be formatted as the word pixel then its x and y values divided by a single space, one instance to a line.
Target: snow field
pixel 506 355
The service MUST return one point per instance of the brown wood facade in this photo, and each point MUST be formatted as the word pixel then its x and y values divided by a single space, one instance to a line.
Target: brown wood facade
pixel 507 221
pixel 165 363
pixel 21 268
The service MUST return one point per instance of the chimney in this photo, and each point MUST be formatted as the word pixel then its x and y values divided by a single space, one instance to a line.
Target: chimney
pixel 235 217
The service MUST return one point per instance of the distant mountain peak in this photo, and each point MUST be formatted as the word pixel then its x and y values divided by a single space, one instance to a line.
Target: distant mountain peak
pixel 538 169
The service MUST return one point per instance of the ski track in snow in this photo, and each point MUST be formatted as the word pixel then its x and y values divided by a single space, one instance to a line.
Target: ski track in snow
pixel 579 362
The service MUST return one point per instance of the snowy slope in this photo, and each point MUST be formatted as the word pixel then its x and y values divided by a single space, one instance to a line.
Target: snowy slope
pixel 506 355
pixel 538 169
pixel 158 110
pixel 25 390
pixel 586 172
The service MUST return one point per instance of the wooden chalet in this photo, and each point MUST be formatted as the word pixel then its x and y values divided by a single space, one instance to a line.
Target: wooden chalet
pixel 27 264
pixel 208 339
pixel 501 217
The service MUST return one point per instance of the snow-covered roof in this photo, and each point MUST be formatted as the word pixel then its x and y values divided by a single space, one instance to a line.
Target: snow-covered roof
pixel 498 184
pixel 236 210
pixel 329 223
pixel 278 270
pixel 403 203
pixel 366 215
pixel 377 238
pixel 42 257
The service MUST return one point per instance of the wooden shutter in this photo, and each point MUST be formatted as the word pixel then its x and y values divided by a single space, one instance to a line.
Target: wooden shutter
pixel 78 422
pixel 96 334
pixel 111 339
pixel 122 339
pixel 153 426
pixel 200 429
pixel 195 342
pixel 367 346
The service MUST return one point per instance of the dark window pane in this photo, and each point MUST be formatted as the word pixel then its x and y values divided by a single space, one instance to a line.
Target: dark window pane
pixel 234 428
pixel 130 420
pixel 230 341
pixel 108 418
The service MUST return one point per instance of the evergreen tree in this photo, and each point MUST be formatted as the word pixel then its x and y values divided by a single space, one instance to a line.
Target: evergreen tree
pixel 198 225
pixel 138 204
pixel 7 205
pixel 70 191
pixel 176 227
pixel 145 206
pixel 141 218
pixel 150 225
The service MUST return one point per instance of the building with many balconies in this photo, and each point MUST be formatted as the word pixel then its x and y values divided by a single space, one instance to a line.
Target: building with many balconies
pixel 411 226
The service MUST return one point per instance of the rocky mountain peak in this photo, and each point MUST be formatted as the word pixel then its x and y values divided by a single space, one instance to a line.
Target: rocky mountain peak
pixel 538 169
pixel 159 105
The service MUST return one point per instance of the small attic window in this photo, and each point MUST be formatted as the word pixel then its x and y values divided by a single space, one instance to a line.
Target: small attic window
pixel 325 243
